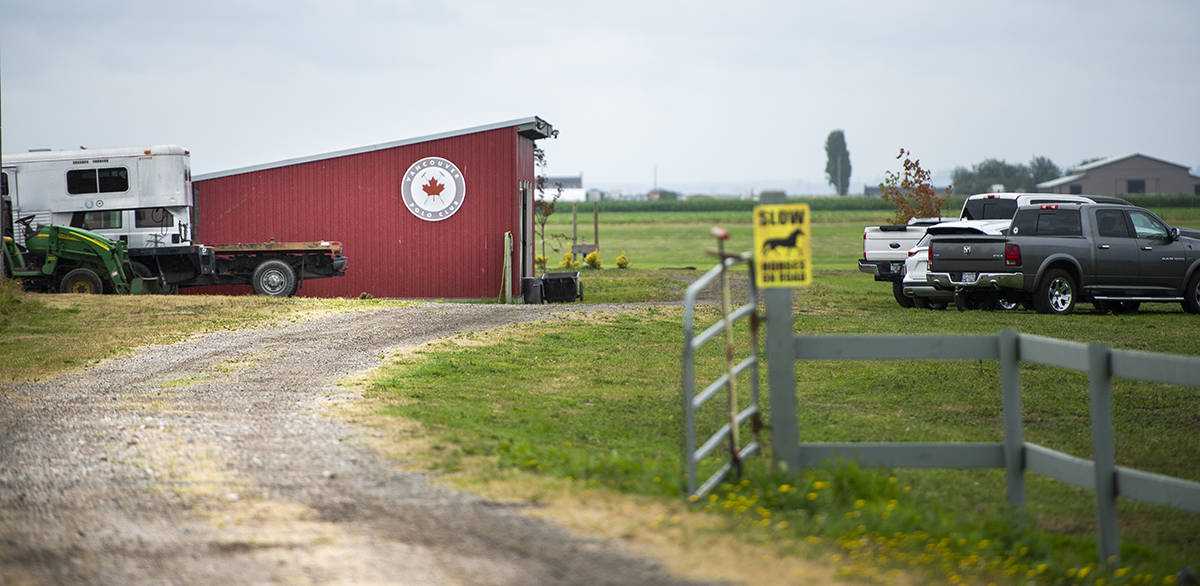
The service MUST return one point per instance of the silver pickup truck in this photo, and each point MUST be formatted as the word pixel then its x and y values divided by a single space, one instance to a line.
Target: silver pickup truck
pixel 1116 256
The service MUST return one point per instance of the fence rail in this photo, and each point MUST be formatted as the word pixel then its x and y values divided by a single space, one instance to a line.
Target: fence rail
pixel 1016 456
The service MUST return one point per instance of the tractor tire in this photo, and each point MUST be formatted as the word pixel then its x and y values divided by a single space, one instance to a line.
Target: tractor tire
pixel 274 278
pixel 141 271
pixel 81 280
pixel 1056 294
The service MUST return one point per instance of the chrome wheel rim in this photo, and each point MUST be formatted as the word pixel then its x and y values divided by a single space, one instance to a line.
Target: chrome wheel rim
pixel 1061 294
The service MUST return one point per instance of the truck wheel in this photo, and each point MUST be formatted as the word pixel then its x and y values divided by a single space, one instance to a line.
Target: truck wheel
pixel 275 278
pixel 1191 295
pixel 81 281
pixel 1056 294
pixel 898 293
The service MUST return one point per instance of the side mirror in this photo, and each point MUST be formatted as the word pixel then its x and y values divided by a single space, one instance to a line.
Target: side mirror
pixel 1173 234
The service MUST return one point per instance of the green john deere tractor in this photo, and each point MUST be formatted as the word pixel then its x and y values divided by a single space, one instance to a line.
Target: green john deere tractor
pixel 71 260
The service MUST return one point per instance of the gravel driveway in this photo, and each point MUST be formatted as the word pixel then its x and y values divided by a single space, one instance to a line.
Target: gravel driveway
pixel 211 461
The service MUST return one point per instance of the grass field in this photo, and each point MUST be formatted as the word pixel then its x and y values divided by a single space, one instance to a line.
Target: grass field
pixel 608 416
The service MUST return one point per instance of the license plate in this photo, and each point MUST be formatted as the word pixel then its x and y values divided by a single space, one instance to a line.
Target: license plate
pixel 895 267
pixel 968 277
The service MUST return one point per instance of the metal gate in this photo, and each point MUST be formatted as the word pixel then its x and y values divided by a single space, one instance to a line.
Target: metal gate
pixel 693 401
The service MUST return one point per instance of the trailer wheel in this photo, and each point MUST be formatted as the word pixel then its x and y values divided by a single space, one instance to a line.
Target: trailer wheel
pixel 275 278
pixel 81 281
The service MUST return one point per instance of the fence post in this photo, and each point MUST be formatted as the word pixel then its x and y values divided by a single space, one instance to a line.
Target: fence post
pixel 781 378
pixel 1014 442
pixel 1103 453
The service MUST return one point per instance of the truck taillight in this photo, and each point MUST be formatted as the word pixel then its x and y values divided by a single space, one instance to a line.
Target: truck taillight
pixel 1050 206
pixel 1012 255
pixel 864 246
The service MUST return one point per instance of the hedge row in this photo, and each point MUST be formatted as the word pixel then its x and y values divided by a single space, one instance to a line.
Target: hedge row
pixel 844 203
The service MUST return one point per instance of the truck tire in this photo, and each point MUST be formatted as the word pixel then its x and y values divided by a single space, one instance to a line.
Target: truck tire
pixel 898 292
pixel 274 278
pixel 1056 293
pixel 1191 294
pixel 81 281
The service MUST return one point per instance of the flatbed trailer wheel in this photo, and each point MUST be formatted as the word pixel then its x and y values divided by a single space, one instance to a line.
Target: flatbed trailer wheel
pixel 275 278
pixel 81 280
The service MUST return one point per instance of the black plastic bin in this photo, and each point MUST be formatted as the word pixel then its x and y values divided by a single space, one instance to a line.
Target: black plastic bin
pixel 561 287
pixel 531 290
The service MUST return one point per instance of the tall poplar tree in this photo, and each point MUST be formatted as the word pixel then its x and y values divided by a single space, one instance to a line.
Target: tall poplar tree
pixel 837 162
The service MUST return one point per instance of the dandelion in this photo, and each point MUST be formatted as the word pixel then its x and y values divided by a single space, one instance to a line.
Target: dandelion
pixel 785 488
pixel 712 498
pixel 1168 579
pixel 1041 568
pixel 813 539
pixel 657 480
pixel 765 522
pixel 907 489
pixel 858 504
pixel 782 525
pixel 566 444
pixel 1121 572
pixel 891 480
pixel 674 518
pixel 763 512
pixel 1084 571
pixel 812 496
pixel 692 498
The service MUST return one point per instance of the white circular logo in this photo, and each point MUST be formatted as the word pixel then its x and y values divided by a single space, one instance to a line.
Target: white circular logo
pixel 433 189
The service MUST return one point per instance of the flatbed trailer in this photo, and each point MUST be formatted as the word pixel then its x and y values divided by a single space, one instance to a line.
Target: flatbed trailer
pixel 272 268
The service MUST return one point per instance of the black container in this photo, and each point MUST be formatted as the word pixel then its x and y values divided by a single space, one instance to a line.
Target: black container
pixel 561 287
pixel 531 290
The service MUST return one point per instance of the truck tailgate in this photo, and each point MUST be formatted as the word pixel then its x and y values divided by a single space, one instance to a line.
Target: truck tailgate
pixel 978 253
pixel 890 242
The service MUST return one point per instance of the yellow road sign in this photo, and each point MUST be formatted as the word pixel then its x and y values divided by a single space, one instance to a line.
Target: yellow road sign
pixel 782 251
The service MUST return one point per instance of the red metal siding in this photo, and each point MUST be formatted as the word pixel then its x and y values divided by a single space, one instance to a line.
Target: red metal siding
pixel 356 199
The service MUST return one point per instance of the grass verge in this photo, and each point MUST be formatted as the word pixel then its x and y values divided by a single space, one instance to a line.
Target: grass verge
pixel 42 335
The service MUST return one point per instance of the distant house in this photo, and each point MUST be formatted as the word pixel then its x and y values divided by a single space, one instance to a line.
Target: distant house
pixel 572 187
pixel 1126 174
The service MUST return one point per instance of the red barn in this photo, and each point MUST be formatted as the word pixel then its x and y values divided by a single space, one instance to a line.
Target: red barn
pixel 423 217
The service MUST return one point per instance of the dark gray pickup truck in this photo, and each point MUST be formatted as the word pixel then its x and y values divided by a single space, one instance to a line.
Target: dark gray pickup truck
pixel 1116 256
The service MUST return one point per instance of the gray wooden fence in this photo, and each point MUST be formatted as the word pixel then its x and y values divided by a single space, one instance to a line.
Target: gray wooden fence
pixel 1014 454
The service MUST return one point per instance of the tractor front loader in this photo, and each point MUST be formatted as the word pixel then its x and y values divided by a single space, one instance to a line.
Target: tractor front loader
pixel 72 260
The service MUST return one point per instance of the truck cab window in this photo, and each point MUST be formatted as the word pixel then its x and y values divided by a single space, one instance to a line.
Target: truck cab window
pixel 1147 226
pixel 1111 223
pixel 153 218
pixel 3 183
pixel 110 180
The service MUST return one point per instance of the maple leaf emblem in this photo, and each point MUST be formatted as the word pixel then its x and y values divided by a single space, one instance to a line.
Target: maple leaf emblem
pixel 433 188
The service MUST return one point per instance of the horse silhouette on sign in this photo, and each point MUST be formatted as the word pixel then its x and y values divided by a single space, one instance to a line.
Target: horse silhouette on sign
pixel 788 242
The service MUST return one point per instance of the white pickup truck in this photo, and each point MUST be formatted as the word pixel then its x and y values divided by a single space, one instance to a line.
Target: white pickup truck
pixel 885 248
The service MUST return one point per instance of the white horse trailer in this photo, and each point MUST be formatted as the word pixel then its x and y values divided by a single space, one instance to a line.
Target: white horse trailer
pixel 142 196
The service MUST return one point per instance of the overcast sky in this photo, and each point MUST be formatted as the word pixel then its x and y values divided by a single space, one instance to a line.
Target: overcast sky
pixel 709 93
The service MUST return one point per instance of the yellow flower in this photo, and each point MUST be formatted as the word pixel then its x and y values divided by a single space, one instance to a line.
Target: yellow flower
pixel 891 479
pixel 657 480
pixel 693 498
pixel 785 488
pixel 812 496
pixel 907 489
pixel 1121 572
pixel 712 498
pixel 858 504
pixel 765 522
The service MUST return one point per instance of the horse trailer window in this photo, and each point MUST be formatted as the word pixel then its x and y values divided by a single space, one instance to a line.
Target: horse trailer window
pixel 153 218
pixel 110 180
